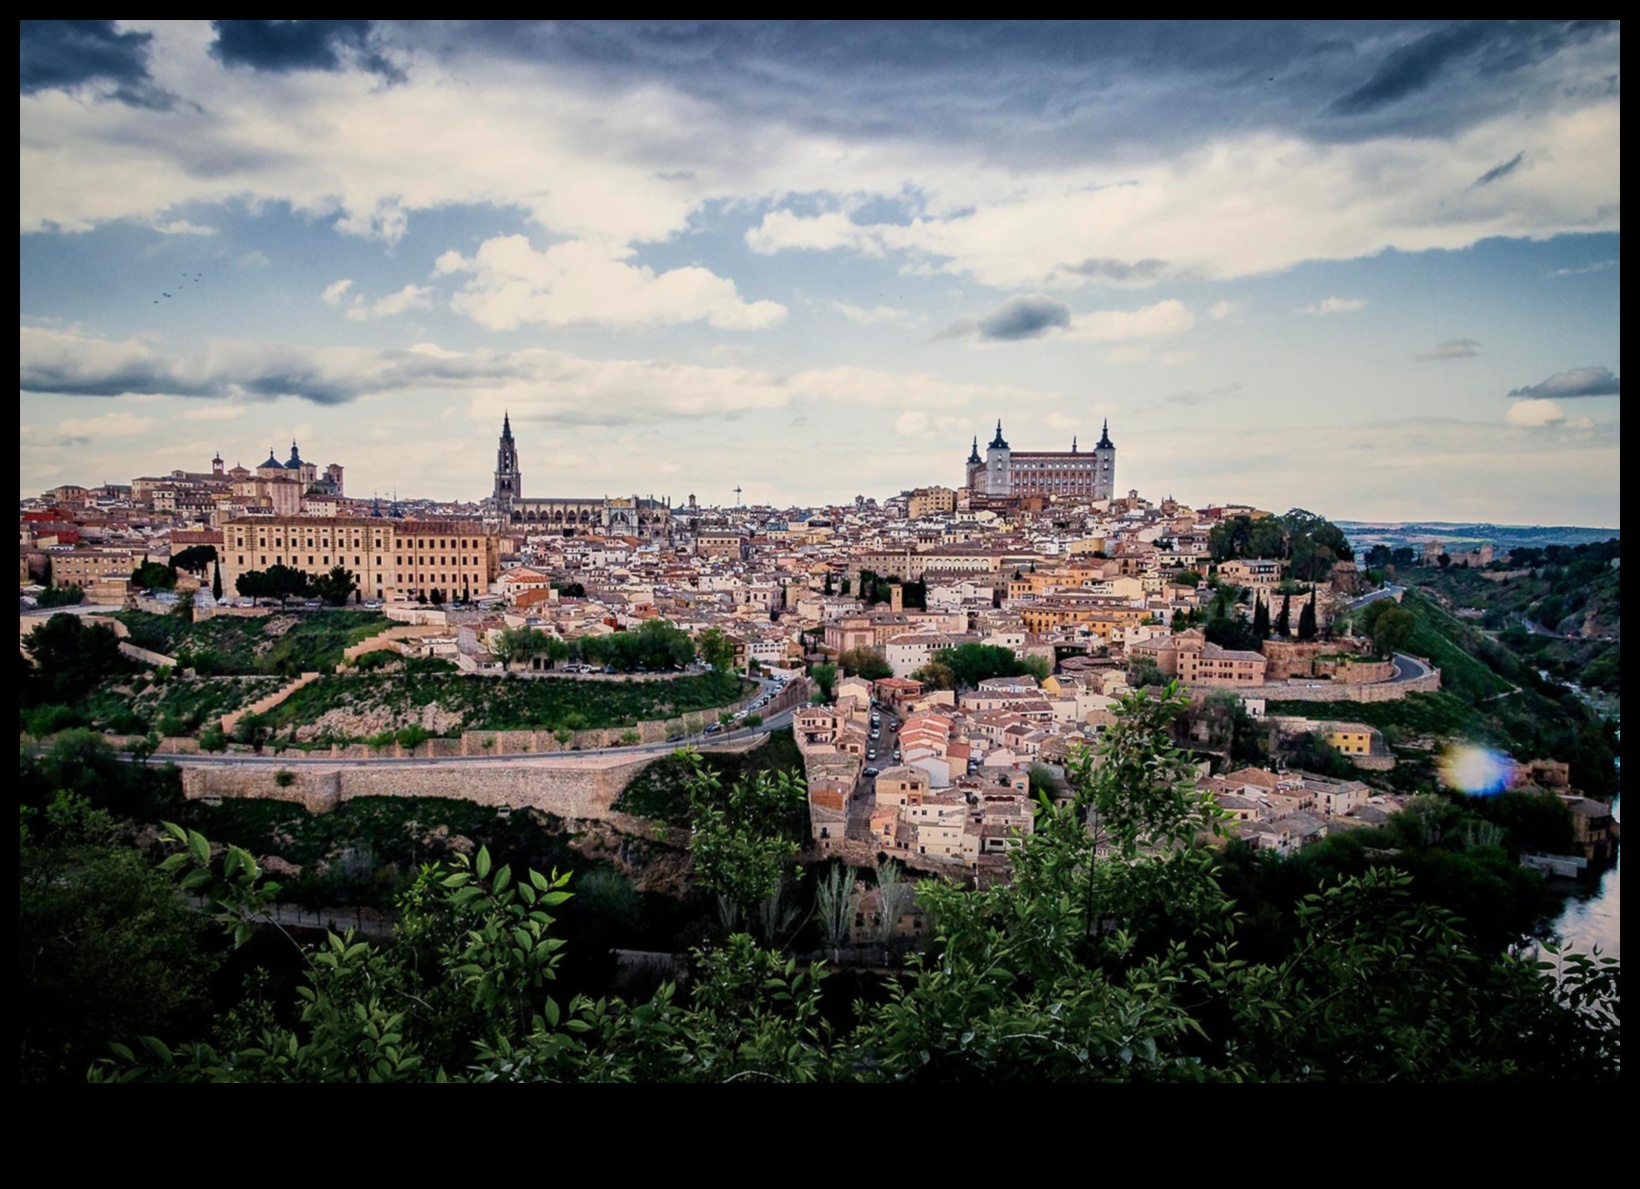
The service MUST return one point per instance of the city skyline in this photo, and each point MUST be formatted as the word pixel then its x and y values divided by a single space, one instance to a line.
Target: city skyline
pixel 1370 269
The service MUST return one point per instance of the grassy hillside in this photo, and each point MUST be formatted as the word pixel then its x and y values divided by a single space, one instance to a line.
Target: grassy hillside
pixel 274 644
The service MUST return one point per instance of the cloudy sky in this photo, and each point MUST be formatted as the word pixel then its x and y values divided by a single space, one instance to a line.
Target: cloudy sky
pixel 1368 269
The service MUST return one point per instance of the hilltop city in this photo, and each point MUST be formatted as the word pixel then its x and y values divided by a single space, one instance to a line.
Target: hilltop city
pixel 938 654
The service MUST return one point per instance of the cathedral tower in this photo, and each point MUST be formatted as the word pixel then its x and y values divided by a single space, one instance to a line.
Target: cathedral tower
pixel 507 479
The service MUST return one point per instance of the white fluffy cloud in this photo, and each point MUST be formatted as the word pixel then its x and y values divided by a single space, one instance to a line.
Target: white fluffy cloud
pixel 625 166
pixel 1535 414
pixel 411 297
pixel 1334 305
pixel 575 283
pixel 1165 319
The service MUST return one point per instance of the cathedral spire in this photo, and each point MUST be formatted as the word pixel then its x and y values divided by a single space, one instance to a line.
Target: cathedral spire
pixel 506 426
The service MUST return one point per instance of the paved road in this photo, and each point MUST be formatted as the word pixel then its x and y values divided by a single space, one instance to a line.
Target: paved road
pixel 1387 592
pixel 1409 668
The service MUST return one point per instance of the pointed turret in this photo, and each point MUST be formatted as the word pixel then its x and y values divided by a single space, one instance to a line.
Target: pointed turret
pixel 1073 443
pixel 973 454
pixel 506 426
pixel 997 443
pixel 1104 437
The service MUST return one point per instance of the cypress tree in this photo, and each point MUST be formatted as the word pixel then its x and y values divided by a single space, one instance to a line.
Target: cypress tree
pixel 1261 618
pixel 1306 620
pixel 216 583
pixel 1284 621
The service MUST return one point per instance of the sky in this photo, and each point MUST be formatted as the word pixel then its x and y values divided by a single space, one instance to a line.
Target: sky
pixel 1367 269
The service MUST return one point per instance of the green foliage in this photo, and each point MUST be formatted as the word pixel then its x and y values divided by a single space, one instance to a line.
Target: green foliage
pixel 1113 955
pixel 974 663
pixel 716 649
pixel 737 855
pixel 107 947
pixel 824 676
pixel 276 644
pixel 194 559
pixel 60 596
pixel 1310 752
pixel 334 587
pixel 280 582
pixel 936 675
pixel 492 704
pixel 70 658
pixel 1306 621
pixel 153 575
pixel 864 662
pixel 1311 544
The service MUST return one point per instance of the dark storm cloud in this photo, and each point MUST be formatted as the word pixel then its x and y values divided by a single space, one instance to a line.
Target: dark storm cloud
pixel 1025 317
pixel 1042 92
pixel 71 365
pixel 1486 48
pixel 1105 268
pixel 62 55
pixel 284 46
pixel 1502 170
pixel 1580 381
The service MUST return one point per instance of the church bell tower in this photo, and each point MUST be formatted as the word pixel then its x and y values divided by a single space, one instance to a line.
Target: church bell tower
pixel 507 478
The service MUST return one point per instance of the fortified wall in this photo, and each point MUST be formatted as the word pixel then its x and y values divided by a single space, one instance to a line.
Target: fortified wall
pixel 586 789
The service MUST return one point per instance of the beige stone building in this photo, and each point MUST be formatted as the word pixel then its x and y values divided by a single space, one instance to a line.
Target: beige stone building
pixel 82 567
pixel 931 501
pixel 392 560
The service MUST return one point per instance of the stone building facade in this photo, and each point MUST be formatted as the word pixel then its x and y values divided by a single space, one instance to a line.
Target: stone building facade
pixel 623 516
pixel 392 560
pixel 1065 475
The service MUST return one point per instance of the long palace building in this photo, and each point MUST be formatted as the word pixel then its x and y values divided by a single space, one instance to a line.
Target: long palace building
pixel 1071 474
pixel 392 560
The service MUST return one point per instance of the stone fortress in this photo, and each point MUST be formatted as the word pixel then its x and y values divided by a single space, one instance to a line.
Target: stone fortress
pixel 1066 475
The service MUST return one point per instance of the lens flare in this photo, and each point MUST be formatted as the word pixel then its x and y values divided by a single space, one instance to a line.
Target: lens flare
pixel 1476 770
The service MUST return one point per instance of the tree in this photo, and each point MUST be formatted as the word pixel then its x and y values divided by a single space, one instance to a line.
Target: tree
pixel 824 676
pixel 194 559
pixel 279 581
pixel 216 582
pixel 107 945
pixel 716 649
pixel 973 663
pixel 436 597
pixel 1261 618
pixel 336 586
pixel 834 906
pixel 1284 621
pixel 153 575
pixel 60 596
pixel 739 854
pixel 863 662
pixel 1306 618
pixel 69 659
pixel 1390 627
pixel 519 645
pixel 936 675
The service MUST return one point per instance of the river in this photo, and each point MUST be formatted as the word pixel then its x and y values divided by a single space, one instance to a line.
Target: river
pixel 1596 918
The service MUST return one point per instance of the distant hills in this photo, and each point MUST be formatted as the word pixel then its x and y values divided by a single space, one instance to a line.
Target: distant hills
pixel 1364 534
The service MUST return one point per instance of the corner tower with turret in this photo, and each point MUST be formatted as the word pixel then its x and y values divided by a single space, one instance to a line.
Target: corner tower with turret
pixel 1104 479
pixel 998 465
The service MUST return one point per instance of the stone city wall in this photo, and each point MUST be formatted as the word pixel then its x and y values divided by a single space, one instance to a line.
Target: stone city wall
pixel 586 791
pixel 1334 691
